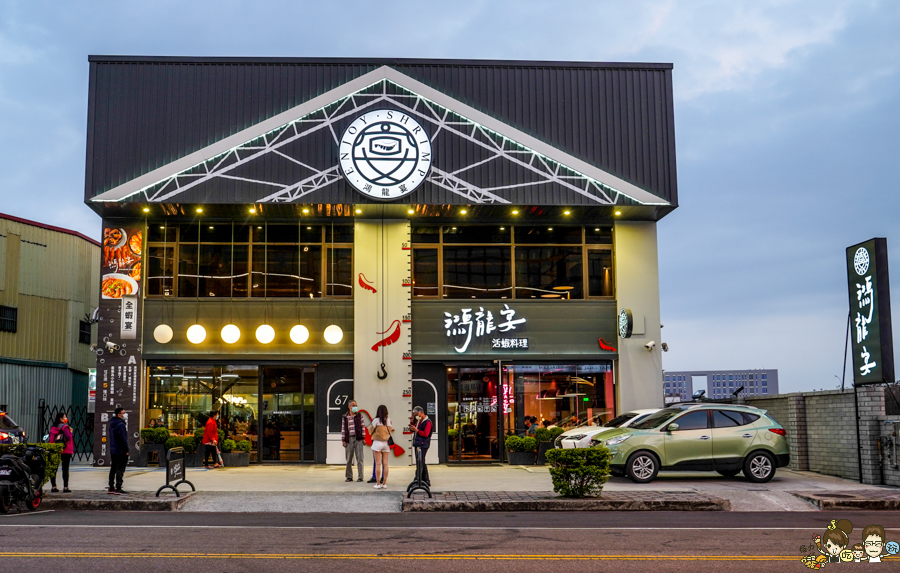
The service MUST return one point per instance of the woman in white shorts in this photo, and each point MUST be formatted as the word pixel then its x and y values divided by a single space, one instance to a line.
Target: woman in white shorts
pixel 381 433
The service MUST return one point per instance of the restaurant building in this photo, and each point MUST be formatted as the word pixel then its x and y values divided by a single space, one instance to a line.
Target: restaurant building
pixel 281 235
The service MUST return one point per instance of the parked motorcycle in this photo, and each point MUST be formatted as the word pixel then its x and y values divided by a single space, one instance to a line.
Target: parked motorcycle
pixel 21 479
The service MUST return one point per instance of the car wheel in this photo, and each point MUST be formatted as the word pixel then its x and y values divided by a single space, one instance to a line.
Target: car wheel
pixel 642 467
pixel 728 473
pixel 759 467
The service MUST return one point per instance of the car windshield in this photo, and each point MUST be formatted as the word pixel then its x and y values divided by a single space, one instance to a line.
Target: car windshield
pixel 619 420
pixel 657 419
pixel 7 423
pixel 640 418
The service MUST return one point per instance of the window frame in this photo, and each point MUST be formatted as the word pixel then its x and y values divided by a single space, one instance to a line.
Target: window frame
pixel 12 318
pixel 84 334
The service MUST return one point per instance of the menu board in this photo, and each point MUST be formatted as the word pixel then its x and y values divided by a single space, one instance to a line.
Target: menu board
pixel 119 366
pixel 120 274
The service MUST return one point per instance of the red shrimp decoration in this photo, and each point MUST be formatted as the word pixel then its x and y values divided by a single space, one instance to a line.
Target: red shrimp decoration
pixel 391 338
pixel 364 282
pixel 606 346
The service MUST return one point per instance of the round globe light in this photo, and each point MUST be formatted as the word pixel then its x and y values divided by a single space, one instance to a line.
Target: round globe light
pixel 196 334
pixel 163 333
pixel 231 333
pixel 265 333
pixel 333 334
pixel 299 334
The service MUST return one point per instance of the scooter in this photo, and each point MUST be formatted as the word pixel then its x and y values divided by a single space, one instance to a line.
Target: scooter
pixel 21 479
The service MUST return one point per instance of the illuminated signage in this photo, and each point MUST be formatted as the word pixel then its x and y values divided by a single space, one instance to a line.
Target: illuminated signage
pixel 471 324
pixel 385 154
pixel 626 323
pixel 870 312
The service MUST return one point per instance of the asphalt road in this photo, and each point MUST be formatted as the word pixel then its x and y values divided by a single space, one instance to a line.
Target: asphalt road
pixel 471 542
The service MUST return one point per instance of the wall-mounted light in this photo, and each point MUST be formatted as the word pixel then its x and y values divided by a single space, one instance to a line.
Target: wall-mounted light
pixel 265 334
pixel 196 334
pixel 299 334
pixel 231 333
pixel 163 334
pixel 333 334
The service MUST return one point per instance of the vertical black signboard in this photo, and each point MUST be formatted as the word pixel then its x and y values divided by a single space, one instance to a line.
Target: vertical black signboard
pixel 119 344
pixel 870 313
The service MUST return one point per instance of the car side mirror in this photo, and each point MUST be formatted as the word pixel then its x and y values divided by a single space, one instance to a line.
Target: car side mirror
pixel 673 427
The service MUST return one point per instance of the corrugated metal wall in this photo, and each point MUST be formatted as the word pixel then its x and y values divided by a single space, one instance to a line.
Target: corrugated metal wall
pixel 144 112
pixel 53 280
pixel 22 386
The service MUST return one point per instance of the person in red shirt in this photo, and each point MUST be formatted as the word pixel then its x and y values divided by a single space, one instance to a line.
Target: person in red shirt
pixel 211 440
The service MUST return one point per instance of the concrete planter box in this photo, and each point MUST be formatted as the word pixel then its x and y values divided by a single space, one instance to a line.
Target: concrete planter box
pixel 236 459
pixel 144 456
pixel 543 447
pixel 520 458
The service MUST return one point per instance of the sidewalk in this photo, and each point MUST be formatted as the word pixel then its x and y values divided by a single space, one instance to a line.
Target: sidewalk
pixel 301 488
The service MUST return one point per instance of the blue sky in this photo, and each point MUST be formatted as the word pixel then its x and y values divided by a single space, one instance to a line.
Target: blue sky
pixel 787 126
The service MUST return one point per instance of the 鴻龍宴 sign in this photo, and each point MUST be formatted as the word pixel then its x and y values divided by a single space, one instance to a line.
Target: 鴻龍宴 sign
pixel 870 313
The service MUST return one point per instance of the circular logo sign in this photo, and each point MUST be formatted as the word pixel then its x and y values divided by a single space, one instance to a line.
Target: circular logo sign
pixel 626 323
pixel 861 261
pixel 385 154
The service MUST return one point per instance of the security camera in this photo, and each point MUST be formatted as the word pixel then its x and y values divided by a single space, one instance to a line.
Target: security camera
pixel 111 346
pixel 664 346
pixel 650 345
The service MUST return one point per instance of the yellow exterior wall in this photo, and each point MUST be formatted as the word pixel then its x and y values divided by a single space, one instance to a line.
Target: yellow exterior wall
pixel 53 279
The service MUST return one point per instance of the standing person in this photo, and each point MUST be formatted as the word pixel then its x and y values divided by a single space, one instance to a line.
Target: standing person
pixel 61 433
pixel 211 440
pixel 352 438
pixel 381 433
pixel 118 449
pixel 422 429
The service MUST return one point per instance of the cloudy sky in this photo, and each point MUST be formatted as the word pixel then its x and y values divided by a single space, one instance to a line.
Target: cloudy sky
pixel 787 123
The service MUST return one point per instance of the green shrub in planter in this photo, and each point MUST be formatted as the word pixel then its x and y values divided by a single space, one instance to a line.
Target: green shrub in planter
pixel 243 446
pixel 452 433
pixel 148 435
pixel 174 442
pixel 542 435
pixel 579 472
pixel 52 456
pixel 189 444
pixel 161 435
pixel 517 444
pixel 555 432
pixel 228 446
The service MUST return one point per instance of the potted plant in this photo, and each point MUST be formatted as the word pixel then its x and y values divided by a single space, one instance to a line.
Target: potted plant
pixel 520 451
pixel 452 435
pixel 236 454
pixel 544 439
pixel 153 443
pixel 189 443
pixel 579 472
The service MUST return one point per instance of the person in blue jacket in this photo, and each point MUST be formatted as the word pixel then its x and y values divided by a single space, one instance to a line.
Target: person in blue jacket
pixel 118 449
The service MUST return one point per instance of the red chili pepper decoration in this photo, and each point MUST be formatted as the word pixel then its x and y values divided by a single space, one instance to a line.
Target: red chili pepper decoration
pixel 364 282
pixel 605 346
pixel 391 338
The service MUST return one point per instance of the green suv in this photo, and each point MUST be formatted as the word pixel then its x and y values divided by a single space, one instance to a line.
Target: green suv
pixel 699 437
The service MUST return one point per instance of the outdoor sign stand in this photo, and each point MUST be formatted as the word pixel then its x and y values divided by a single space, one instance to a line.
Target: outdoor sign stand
pixel 418 484
pixel 175 471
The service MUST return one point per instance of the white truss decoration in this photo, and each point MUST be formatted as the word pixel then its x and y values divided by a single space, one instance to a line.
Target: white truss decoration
pixel 539 169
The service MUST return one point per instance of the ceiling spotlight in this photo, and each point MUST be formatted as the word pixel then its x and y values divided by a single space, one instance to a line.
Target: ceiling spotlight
pixel 146 209
pixel 231 333
pixel 502 228
pixel 305 211
pixel 196 334
pixel 618 212
pixel 515 212
pixel 549 228
pixel 265 333
pixel 567 212
pixel 463 211
pixel 199 209
pixel 597 229
pixel 163 334
pixel 333 334
pixel 252 211
pixel 299 334
pixel 359 211
pixel 410 211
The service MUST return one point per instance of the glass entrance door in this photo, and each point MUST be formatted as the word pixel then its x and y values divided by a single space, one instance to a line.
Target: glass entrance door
pixel 287 432
pixel 472 417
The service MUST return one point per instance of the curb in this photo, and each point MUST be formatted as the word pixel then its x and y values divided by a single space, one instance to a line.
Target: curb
pixel 168 503
pixel 696 503
pixel 826 501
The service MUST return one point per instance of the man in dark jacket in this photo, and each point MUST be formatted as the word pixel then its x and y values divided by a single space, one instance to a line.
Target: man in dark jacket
pixel 118 449
pixel 353 438
pixel 422 431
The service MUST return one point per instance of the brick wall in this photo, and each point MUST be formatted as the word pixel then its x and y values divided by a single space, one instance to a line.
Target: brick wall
pixel 822 431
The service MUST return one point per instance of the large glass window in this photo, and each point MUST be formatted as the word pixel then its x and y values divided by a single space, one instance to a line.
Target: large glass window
pixel 600 273
pixel 561 395
pixel 425 272
pixel 161 270
pixel 340 271
pixel 549 272
pixel 477 272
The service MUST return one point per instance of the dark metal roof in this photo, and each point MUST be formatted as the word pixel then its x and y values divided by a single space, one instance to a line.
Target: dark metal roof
pixel 146 112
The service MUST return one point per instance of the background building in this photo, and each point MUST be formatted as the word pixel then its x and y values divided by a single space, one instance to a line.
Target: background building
pixel 48 290
pixel 722 383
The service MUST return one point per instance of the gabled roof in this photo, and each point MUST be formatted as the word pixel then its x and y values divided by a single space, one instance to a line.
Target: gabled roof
pixel 48 227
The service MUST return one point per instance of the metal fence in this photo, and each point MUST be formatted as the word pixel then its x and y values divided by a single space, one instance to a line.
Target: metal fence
pixel 80 420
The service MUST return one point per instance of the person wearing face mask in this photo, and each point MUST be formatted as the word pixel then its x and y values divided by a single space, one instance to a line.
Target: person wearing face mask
pixel 61 433
pixel 422 430
pixel 353 439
